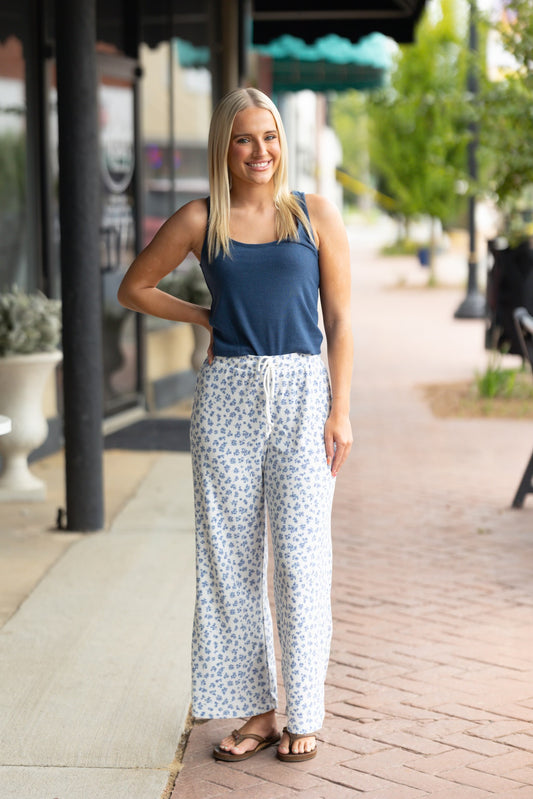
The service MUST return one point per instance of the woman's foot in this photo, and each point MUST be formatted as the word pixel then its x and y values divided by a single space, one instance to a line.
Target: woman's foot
pixel 263 725
pixel 296 747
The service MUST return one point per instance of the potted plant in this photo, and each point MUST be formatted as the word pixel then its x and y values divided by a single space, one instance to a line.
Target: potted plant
pixel 189 284
pixel 30 329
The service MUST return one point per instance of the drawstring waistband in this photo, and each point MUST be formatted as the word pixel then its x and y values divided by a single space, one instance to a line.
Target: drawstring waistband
pixel 266 368
pixel 272 370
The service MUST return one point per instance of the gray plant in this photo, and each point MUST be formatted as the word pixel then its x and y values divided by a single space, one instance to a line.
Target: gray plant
pixel 29 323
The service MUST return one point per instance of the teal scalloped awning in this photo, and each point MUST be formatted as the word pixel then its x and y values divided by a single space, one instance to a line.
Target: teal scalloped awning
pixel 189 55
pixel 330 64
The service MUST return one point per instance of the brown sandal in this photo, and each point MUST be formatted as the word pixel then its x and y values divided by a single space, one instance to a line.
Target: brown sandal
pixel 297 757
pixel 238 737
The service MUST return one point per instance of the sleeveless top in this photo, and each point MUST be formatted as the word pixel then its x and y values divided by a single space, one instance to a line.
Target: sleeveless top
pixel 265 296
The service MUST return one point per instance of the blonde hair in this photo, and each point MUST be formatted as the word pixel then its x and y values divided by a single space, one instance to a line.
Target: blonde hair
pixel 288 209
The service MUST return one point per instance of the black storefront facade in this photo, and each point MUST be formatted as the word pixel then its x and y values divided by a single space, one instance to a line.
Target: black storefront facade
pixel 80 214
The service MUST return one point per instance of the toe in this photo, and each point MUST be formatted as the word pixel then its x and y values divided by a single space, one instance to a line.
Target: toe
pixel 303 745
pixel 226 744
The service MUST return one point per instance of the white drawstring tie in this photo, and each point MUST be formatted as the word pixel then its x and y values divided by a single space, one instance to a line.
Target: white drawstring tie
pixel 266 367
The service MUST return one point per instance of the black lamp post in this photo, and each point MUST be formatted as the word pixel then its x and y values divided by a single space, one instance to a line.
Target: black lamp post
pixel 473 306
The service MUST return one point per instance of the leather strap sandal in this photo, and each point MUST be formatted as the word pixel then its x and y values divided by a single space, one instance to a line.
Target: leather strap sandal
pixel 238 737
pixel 297 757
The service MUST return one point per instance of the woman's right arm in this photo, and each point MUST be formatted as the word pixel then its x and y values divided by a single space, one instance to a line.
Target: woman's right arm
pixel 183 233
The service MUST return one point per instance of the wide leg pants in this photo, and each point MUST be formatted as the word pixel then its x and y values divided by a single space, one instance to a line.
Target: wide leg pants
pixel 257 442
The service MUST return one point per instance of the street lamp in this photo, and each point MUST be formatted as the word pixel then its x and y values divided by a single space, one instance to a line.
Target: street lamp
pixel 473 306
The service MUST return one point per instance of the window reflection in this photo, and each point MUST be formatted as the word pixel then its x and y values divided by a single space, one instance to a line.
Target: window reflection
pixel 13 221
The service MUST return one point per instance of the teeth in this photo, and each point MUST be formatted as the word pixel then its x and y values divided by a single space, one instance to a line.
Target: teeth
pixel 259 163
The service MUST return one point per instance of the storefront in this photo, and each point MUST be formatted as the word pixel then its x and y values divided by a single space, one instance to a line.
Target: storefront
pixel 152 118
pixel 102 135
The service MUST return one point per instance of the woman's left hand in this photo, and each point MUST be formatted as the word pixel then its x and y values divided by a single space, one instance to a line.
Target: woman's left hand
pixel 211 348
pixel 338 440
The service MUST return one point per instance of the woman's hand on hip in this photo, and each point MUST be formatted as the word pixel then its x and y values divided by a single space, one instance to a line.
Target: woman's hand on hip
pixel 211 348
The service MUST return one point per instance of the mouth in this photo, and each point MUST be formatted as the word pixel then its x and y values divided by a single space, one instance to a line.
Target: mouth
pixel 259 166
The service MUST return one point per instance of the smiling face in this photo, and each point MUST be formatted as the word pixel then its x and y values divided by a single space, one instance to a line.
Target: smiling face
pixel 254 149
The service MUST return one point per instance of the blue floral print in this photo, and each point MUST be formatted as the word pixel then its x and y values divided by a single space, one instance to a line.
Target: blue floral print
pixel 257 442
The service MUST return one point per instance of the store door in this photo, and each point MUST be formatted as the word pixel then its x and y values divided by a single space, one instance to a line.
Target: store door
pixel 119 236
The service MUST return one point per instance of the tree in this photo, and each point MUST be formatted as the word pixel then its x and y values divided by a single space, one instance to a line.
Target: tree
pixel 419 123
pixel 350 121
pixel 507 122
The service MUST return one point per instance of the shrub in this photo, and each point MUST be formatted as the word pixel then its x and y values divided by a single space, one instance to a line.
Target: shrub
pixel 29 323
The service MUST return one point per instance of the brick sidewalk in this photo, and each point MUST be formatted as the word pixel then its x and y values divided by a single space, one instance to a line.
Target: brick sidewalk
pixel 430 686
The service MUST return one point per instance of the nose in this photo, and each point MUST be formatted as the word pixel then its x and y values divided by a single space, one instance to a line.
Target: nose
pixel 259 147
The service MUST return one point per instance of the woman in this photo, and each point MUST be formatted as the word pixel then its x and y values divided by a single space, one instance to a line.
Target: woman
pixel 267 430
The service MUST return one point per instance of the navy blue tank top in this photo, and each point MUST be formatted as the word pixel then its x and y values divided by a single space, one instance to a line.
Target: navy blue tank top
pixel 265 296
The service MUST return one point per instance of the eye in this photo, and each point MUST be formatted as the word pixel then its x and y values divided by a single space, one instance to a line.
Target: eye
pixel 270 137
pixel 243 140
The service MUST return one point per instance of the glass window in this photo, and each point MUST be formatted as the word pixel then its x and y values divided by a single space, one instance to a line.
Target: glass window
pixel 176 110
pixel 176 106
pixel 13 213
pixel 117 228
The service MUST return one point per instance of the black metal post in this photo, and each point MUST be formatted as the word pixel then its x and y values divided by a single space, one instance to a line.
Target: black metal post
pixel 80 274
pixel 473 305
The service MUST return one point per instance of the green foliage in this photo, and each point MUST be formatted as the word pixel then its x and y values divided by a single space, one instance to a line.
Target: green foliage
pixel 420 122
pixel 496 381
pixel 29 323
pixel 12 172
pixel 350 120
pixel 401 247
pixel 506 108
pixel 13 210
pixel 506 133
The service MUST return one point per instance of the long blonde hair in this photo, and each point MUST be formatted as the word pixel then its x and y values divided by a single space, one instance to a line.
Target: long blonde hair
pixel 288 209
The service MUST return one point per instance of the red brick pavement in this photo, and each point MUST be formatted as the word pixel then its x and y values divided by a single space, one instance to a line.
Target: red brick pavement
pixel 430 686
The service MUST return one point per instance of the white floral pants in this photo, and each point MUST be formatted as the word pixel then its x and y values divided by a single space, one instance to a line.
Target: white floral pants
pixel 257 442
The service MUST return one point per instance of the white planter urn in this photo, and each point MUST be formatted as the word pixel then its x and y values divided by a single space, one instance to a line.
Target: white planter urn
pixel 22 382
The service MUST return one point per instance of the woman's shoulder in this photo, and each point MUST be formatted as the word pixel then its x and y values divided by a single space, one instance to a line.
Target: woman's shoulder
pixel 320 206
pixel 325 217
pixel 189 221
pixel 193 213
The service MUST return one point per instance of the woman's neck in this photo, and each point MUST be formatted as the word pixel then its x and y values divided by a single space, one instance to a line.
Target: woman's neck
pixel 253 216
pixel 258 197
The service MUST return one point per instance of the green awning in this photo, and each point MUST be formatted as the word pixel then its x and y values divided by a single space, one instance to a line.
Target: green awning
pixel 330 64
pixel 190 55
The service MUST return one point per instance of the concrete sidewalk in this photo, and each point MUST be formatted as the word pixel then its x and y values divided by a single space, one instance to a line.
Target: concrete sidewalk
pixel 430 688
pixel 94 665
